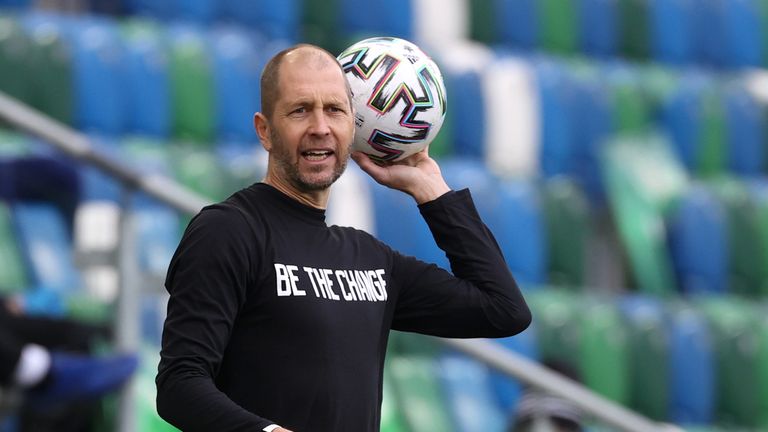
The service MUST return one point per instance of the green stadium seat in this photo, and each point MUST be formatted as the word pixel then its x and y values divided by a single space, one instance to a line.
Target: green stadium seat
pixel 649 355
pixel 737 349
pixel 391 418
pixel 191 81
pixel 712 154
pixel 634 40
pixel 13 277
pixel 51 71
pixel 567 216
pixel 643 179
pixel 604 351
pixel 555 313
pixel 417 387
pixel 748 254
pixel 15 47
pixel 201 171
pixel 558 25
pixel 630 102
pixel 482 16
pixel 320 24
pixel 147 418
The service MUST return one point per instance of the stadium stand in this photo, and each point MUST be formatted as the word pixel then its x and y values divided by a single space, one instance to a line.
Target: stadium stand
pixel 562 115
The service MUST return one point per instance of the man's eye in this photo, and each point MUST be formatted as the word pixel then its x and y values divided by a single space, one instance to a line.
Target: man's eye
pixel 299 110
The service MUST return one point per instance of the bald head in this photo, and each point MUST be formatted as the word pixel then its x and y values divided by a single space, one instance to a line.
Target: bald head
pixel 311 57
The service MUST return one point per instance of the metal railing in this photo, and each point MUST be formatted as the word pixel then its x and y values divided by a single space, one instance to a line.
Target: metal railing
pixel 178 197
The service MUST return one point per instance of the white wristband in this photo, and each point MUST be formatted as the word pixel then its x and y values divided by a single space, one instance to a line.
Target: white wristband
pixel 270 428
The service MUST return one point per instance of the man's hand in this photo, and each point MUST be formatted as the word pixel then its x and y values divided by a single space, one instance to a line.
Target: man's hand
pixel 417 175
pixel 281 430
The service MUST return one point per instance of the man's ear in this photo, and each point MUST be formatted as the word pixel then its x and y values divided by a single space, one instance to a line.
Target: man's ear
pixel 261 124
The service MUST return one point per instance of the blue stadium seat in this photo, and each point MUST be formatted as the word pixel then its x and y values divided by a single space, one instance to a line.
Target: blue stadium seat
pixel 681 116
pixel 465 90
pixel 742 33
pixel 517 23
pixel 399 224
pixel 519 227
pixel 158 234
pixel 46 246
pixel 467 390
pixel 395 18
pixel 509 390
pixel 708 30
pixel 276 19
pixel 99 76
pixel 698 243
pixel 671 31
pixel 158 9
pixel 20 4
pixel 598 27
pixel 148 99
pixel 198 11
pixel 692 369
pixel 556 99
pixel 236 71
pixel 593 117
pixel 745 126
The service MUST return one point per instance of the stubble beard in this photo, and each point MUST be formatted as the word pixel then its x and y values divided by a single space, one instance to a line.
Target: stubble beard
pixel 302 181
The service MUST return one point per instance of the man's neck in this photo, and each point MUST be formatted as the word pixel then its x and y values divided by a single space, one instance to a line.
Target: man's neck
pixel 317 199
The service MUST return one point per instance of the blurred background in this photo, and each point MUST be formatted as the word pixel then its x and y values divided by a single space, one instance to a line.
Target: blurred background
pixel 617 149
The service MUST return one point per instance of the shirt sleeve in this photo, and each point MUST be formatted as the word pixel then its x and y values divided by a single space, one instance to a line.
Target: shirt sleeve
pixel 480 298
pixel 207 281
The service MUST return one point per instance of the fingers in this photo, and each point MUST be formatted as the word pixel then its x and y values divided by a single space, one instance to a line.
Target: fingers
pixel 378 173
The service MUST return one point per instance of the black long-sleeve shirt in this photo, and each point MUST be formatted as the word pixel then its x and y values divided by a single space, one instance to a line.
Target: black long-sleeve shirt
pixel 275 317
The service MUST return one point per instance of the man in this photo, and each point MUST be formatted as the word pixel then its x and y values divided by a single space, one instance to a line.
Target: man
pixel 277 319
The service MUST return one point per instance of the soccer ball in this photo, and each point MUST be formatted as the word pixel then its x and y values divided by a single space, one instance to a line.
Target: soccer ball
pixel 398 96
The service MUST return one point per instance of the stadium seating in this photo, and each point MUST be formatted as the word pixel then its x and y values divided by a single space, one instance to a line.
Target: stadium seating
pixel 13 277
pixel 545 142
pixel 692 392
pixel 699 243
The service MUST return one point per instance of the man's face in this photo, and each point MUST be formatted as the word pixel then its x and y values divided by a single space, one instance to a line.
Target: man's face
pixel 312 126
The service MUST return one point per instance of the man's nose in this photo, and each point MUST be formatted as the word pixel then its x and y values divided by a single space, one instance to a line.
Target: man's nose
pixel 319 123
